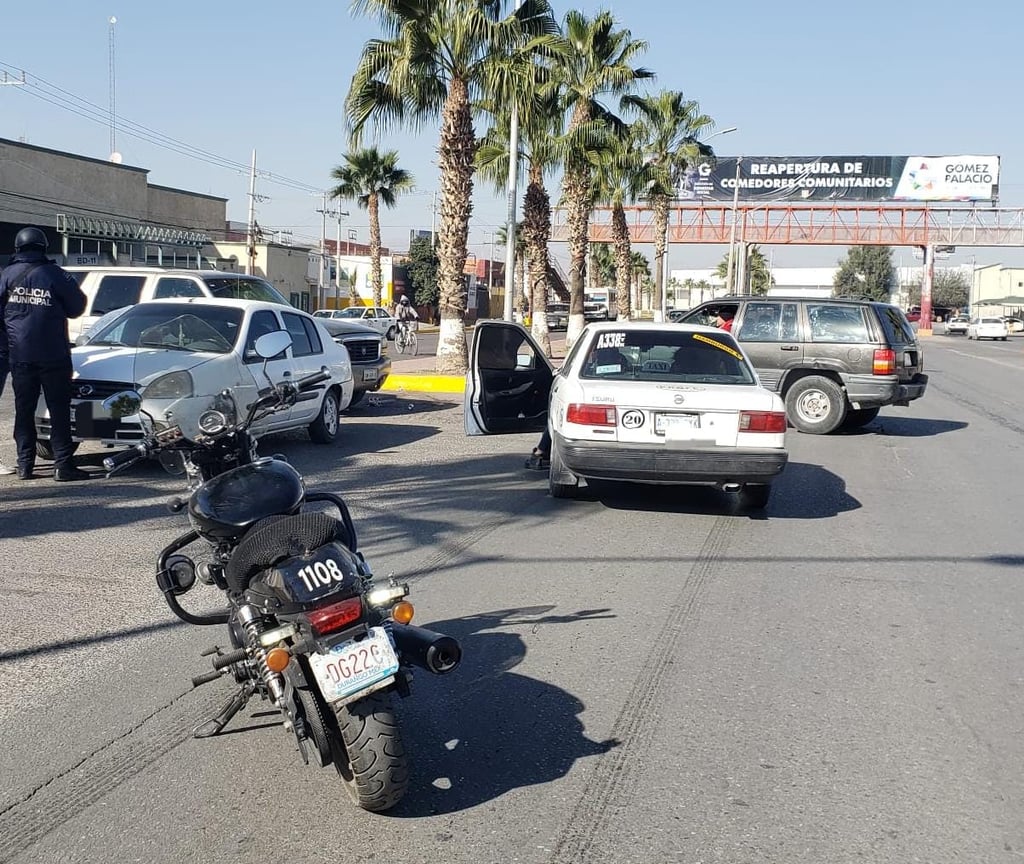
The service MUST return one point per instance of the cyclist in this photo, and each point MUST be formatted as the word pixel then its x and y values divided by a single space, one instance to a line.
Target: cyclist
pixel 406 314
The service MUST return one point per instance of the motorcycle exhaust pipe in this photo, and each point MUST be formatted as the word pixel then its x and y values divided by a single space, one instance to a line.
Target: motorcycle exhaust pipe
pixel 432 651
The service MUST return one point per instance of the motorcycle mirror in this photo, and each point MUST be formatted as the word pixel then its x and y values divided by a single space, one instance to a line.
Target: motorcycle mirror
pixel 181 572
pixel 123 404
pixel 271 344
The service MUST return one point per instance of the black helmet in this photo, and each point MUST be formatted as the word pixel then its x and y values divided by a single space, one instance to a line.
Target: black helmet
pixel 28 237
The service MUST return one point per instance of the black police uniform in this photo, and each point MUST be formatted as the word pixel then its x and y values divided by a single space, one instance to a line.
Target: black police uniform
pixel 36 300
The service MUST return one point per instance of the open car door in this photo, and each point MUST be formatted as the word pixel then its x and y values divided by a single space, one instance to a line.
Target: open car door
pixel 508 382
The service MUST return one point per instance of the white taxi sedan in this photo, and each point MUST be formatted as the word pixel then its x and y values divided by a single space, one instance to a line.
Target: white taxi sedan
pixel 634 401
pixel 988 327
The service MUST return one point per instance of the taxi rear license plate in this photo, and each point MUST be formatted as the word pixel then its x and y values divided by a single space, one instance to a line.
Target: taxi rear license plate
pixel 663 422
pixel 355 665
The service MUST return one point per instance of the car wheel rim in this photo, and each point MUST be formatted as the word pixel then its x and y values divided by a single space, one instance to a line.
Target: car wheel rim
pixel 814 406
pixel 330 414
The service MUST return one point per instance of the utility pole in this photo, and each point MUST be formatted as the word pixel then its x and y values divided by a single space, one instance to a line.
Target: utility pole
pixel 337 252
pixel 250 240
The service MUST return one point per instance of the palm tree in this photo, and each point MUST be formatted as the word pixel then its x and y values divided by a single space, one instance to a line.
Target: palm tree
pixel 371 178
pixel 517 284
pixel 437 59
pixel 597 64
pixel 620 176
pixel 541 123
pixel 672 126
pixel 640 271
pixel 601 268
pixel 758 278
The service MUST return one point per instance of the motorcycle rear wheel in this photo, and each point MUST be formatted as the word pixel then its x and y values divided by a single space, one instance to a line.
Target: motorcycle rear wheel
pixel 374 764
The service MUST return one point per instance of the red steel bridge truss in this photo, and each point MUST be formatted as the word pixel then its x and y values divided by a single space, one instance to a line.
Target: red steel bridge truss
pixel 815 224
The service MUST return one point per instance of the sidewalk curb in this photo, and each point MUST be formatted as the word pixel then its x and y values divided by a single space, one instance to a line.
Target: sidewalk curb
pixel 426 382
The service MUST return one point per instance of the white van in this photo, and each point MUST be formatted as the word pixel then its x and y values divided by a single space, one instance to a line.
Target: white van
pixel 109 288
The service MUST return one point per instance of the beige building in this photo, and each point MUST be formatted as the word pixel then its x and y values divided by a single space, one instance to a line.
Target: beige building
pixel 996 282
pixel 291 269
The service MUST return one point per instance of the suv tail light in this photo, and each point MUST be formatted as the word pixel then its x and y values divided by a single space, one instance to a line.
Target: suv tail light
pixel 763 421
pixel 591 415
pixel 884 362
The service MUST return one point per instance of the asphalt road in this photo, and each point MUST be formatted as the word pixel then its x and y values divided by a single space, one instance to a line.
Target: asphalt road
pixel 649 676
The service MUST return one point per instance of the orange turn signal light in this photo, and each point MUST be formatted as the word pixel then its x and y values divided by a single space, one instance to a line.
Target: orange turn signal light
pixel 403 611
pixel 278 659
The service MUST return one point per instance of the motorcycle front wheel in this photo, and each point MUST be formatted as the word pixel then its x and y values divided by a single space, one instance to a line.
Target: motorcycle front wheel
pixel 374 764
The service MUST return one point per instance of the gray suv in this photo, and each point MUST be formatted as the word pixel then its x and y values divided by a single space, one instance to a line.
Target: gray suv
pixel 834 362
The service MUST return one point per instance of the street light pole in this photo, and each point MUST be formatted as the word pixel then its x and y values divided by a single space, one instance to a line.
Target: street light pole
pixel 732 234
pixel 510 221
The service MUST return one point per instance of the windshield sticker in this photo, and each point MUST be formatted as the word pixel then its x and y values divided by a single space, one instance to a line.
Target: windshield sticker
pixel 611 340
pixel 608 370
pixel 697 337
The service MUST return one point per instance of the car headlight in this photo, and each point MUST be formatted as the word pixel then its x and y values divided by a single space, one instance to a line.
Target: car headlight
pixel 173 385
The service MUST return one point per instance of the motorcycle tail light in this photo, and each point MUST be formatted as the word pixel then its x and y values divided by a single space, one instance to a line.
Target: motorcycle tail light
pixel 763 421
pixel 329 619
pixel 884 362
pixel 403 611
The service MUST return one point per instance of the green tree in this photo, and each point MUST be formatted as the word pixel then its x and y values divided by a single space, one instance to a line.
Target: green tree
pixel 950 288
pixel 620 174
pixel 640 277
pixel 866 271
pixel 437 59
pixel 671 126
pixel 758 275
pixel 597 63
pixel 371 178
pixel 541 124
pixel 422 270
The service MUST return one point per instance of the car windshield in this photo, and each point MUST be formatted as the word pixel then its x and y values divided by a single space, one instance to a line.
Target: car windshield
pixel 174 326
pixel 351 312
pixel 244 288
pixel 665 356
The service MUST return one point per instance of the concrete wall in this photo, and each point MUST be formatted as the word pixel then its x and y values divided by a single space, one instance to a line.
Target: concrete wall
pixel 188 210
pixel 39 183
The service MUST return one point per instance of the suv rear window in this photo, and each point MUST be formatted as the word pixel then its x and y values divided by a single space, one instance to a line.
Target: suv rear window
pixel 244 288
pixel 115 292
pixel 833 322
pixel 896 326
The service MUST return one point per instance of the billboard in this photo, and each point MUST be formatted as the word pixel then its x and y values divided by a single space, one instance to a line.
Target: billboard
pixel 847 178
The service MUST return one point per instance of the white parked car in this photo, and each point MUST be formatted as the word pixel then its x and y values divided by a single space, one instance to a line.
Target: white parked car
pixel 1014 325
pixel 635 401
pixel 957 324
pixel 179 354
pixel 376 317
pixel 988 327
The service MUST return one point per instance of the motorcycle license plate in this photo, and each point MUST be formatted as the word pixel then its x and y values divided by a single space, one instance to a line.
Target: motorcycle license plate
pixel 355 665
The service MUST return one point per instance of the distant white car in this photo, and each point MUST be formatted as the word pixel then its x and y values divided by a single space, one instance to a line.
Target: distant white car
pixel 180 354
pixel 376 317
pixel 635 401
pixel 1014 325
pixel 957 324
pixel 988 327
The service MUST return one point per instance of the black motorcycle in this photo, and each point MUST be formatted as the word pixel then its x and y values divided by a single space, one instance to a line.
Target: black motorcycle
pixel 310 630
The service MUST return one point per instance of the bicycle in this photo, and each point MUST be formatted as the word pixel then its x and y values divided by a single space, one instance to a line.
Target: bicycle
pixel 406 339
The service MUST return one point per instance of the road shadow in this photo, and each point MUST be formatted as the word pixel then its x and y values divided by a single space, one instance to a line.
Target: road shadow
pixel 396 404
pixel 803 491
pixel 484 729
pixel 905 427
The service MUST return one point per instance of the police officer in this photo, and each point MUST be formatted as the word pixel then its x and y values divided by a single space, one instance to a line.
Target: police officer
pixel 36 300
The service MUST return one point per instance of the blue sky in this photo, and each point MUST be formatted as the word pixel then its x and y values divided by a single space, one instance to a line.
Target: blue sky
pixel 797 78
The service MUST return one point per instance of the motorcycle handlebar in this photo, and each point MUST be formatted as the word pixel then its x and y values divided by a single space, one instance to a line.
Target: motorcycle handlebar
pixel 312 380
